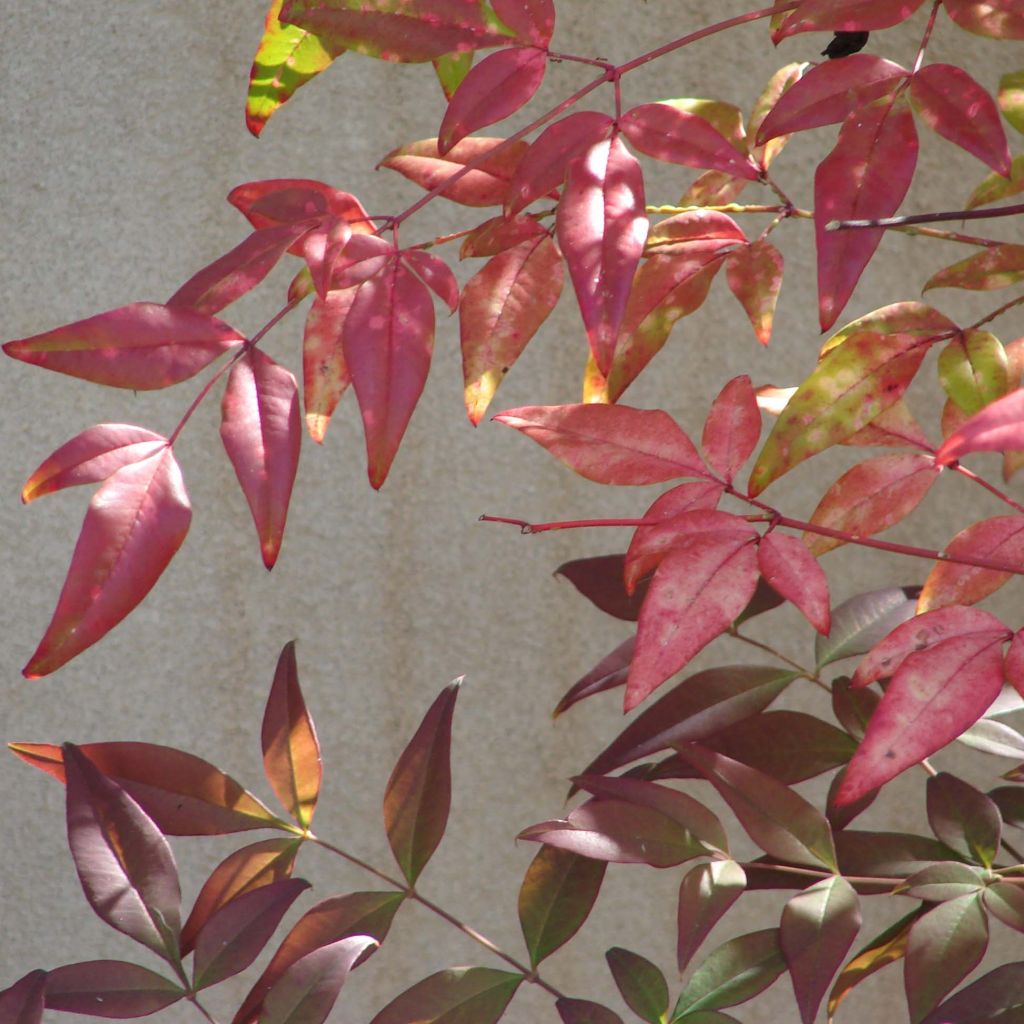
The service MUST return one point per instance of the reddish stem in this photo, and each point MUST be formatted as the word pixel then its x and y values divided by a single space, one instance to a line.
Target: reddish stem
pixel 927 218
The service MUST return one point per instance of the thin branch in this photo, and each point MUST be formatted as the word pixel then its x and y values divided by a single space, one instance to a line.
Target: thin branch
pixel 927 218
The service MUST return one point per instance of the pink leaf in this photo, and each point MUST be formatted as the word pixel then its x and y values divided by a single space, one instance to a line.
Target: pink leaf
pixel 865 176
pixel 829 93
pixel 732 428
pixel 503 307
pixel 934 696
pixel 236 933
pixel 999 427
pixel 918 634
pixel 322 248
pixel 261 431
pixel 135 524
pixel 1000 19
pixel 493 90
pixel 486 185
pixel 418 794
pixel 291 750
pixel 533 21
pixel 109 988
pixel 794 572
pixel 954 105
pixel 93 455
pixel 1000 538
pixel 294 201
pixel 388 341
pixel 500 234
pixel 678 136
pixel 705 894
pixel 125 865
pixel 871 497
pixel 994 267
pixel 143 347
pixel 325 375
pixel 362 258
pixel 846 16
pixel 1015 662
pixel 22 1002
pixel 544 167
pixel 754 275
pixel 238 271
pixel 602 224
pixel 611 444
pixel 700 587
pixel 306 992
pixel 435 274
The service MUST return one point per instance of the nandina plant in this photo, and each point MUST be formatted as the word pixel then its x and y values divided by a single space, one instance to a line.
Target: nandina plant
pixel 566 193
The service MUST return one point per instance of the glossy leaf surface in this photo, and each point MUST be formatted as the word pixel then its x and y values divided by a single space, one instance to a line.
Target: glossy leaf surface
pixel 1002 19
pixel 109 988
pixel 705 894
pixel 964 818
pixel 477 994
pixel 732 427
pixel 864 620
pixel 135 524
pixel 998 266
pixel 641 984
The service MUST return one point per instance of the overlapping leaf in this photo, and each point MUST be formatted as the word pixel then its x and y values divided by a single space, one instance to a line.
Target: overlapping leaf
pixel 998 266
pixel 585 1011
pixel 705 894
pixel 143 346
pixel 754 275
pixel 602 225
pixel 599 580
pixel 865 176
pixel 1001 19
pixel 418 794
pixel 793 571
pixel 291 751
pixel 999 990
pixel 732 427
pixel 998 427
pixel 846 16
pixel 864 620
pixel 964 818
pixel 995 187
pixel 974 370
pixel 22 1002
pixel 134 525
pixel 325 376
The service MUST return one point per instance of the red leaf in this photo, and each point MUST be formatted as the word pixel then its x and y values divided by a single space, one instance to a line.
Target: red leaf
pixel 794 572
pixel 109 988
pixel 997 266
pixel 245 870
pixel 601 225
pixel 610 444
pixel 238 271
pixel 125 866
pixel 322 247
pixel 754 275
pixel 143 347
pixel 846 16
pixel 732 428
pixel 866 176
pixel 608 673
pixel 361 259
pixel 1000 539
pixel 697 234
pixel 417 31
pixel 331 920
pixel 583 1011
pixel 502 308
pixel 499 234
pixel 533 21
pixel 783 80
pixel 871 497
pixel 918 634
pixel 291 751
pixel 306 992
pixel 829 93
pixel 91 456
pixel 435 274
pixel 477 994
pixel 697 708
pixel 418 794
pixel 954 105
pixel 999 427
pixel 22 1002
pixel 485 185
pixel 136 522
pixel 678 136
pixel 599 580
pixel 696 515
pixel 493 90
pixel 262 431
pixel 1000 19
pixel 182 793
pixel 699 588
pixel 1015 662
pixel 388 340
pixel 296 200
pixel 325 376
pixel 236 933
pixel 544 167
pixel 934 696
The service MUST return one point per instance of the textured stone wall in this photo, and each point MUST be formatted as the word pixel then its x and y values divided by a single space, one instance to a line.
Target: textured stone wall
pixel 122 133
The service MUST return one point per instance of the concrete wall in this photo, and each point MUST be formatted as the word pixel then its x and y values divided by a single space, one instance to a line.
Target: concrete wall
pixel 123 132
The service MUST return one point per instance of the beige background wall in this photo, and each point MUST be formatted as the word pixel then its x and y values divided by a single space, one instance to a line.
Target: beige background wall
pixel 122 133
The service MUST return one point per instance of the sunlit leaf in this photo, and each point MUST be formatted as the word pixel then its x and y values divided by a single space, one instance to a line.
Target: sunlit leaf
pixel 325 376
pixel 846 16
pixel 754 275
pixel 705 894
pixel 1001 19
pixel 1011 98
pixel 477 994
pixel 998 427
pixel 996 187
pixel 791 569
pixel 732 428
pixel 997 266
pixel 109 988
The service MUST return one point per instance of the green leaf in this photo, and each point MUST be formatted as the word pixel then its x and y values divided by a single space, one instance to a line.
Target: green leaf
pixel 818 928
pixel 1006 901
pixel 556 896
pixel 998 266
pixel 640 982
pixel 974 370
pixel 780 821
pixel 938 883
pixel 853 383
pixel 998 996
pixel 451 69
pixel 735 972
pixel 1011 98
pixel 863 621
pixel 996 187
pixel 964 818
pixel 706 893
pixel 455 996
